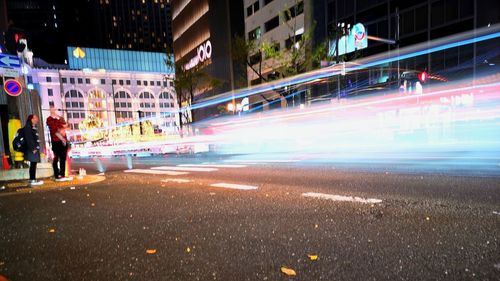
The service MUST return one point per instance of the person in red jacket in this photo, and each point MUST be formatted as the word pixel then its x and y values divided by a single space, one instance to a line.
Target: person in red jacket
pixel 57 127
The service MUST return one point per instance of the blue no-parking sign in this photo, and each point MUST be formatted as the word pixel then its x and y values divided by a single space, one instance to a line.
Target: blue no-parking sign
pixel 12 87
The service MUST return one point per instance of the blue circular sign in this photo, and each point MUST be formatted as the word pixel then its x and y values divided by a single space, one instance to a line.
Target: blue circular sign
pixel 12 87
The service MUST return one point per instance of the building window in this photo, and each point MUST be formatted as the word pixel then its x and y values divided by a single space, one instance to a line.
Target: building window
pixel 50 92
pixel 80 81
pixel 253 8
pixel 51 103
pixel 272 23
pixel 72 80
pixel 138 82
pixel 267 2
pixel 103 81
pixel 294 11
pixel 48 79
pixel 30 79
pixel 291 41
pixel 87 81
pixel 254 34
pixel 121 82
pixel 64 80
pixel 249 10
pixel 151 83
pixel 113 82
pixel 127 82
pixel 158 83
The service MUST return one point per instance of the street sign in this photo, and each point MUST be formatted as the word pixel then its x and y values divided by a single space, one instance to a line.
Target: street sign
pixel 12 87
pixel 9 61
pixel 9 72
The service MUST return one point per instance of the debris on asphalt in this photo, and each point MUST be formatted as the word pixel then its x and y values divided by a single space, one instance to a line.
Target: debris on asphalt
pixel 313 257
pixel 288 271
pixel 93 204
pixel 427 218
pixel 72 188
pixel 497 266
pixel 151 251
pixel 3 187
pixel 52 230
pixel 63 202
pixel 188 250
pixel 3 278
pixel 496 213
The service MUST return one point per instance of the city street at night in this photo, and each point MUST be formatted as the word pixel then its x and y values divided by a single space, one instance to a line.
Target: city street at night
pixel 179 140
pixel 231 218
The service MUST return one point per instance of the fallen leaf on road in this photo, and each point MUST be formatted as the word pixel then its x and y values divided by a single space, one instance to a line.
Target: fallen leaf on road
pixel 288 271
pixel 151 251
pixel 427 218
pixel 63 201
pixel 93 204
pixel 51 230
pixel 3 278
pixel 188 250
pixel 313 257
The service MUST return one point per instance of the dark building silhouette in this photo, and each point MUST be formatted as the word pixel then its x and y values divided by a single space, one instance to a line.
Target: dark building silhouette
pixel 52 25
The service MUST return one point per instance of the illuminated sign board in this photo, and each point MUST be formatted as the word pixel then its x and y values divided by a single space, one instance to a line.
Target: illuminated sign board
pixel 356 39
pixel 203 53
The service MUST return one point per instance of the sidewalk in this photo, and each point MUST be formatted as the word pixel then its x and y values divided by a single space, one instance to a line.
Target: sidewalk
pixel 22 186
pixel 43 170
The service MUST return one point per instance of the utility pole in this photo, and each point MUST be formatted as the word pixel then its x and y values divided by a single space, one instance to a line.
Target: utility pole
pixel 397 44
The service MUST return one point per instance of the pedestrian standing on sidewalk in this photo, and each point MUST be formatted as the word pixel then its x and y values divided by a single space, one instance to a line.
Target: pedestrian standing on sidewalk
pixel 32 153
pixel 57 127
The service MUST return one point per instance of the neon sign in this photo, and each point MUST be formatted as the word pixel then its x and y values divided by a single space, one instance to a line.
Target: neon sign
pixel 203 53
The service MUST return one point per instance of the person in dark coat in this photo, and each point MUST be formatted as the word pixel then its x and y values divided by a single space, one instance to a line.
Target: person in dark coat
pixel 32 153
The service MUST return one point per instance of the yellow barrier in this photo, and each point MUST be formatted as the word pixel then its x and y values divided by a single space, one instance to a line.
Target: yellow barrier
pixel 12 127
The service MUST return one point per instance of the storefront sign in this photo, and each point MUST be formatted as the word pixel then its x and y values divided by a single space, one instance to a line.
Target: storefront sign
pixel 203 53
pixel 356 39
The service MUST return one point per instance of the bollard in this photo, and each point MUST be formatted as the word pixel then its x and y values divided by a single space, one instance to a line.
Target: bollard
pixel 129 161
pixel 99 165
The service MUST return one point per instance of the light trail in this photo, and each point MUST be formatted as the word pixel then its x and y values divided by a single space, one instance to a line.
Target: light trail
pixel 466 38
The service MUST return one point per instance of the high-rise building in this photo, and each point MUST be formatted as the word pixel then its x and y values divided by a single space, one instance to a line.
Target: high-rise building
pixel 203 31
pixel 134 24
pixel 52 25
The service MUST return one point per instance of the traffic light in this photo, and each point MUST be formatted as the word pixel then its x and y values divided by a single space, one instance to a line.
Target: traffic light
pixel 422 76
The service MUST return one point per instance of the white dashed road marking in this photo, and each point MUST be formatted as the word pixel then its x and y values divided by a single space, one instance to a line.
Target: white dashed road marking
pixel 341 198
pixel 212 165
pixel 154 172
pixel 247 161
pixel 177 180
pixel 186 169
pixel 234 186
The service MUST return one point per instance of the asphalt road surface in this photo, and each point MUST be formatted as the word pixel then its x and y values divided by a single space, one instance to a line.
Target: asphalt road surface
pixel 231 218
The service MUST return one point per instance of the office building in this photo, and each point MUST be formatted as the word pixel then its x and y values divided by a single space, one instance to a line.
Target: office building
pixel 203 31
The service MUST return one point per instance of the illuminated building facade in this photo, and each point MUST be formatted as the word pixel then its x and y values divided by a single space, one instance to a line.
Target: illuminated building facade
pixel 114 96
pixel 202 34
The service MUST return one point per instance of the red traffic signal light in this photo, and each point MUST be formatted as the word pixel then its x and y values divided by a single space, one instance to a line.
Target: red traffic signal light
pixel 422 76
